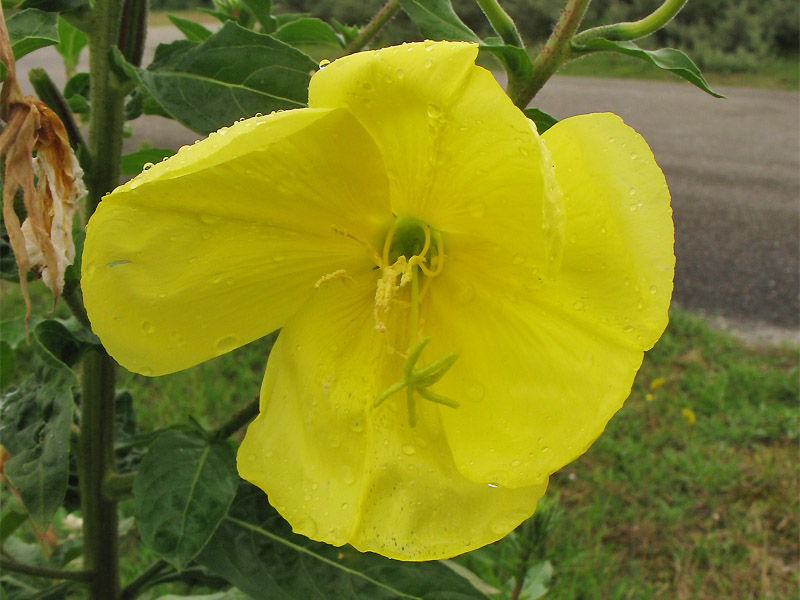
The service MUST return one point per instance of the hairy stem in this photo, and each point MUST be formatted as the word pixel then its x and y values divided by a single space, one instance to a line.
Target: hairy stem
pixel 552 54
pixel 371 29
pixel 620 32
pixel 501 22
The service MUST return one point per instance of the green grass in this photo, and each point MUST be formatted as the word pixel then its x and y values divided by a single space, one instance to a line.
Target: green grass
pixel 658 508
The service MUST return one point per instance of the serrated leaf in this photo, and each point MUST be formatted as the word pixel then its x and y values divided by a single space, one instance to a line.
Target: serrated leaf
pixel 437 20
pixel 35 420
pixel 543 120
pixel 71 43
pixel 308 31
pixel 183 488
pixel 30 30
pixel 133 163
pixel 234 74
pixel 194 31
pixel 280 564
pixel 668 59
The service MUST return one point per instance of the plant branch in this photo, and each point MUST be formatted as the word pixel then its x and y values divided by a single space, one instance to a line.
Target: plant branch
pixel 237 421
pixel 7 564
pixel 371 29
pixel 74 301
pixel 118 486
pixel 553 53
pixel 501 22
pixel 620 32
pixel 144 580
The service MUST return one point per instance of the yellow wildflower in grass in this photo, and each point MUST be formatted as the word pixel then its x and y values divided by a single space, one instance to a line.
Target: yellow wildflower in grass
pixel 464 304
pixel 689 416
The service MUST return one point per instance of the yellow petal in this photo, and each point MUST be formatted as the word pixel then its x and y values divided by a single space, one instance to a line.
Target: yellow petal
pixel 618 262
pixel 548 358
pixel 455 147
pixel 341 471
pixel 220 244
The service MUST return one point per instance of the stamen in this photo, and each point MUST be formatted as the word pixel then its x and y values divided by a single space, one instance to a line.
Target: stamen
pixel 337 274
pixel 376 258
pixel 388 243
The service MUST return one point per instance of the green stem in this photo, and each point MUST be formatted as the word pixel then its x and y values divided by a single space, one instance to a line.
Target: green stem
pixel 73 299
pixel 96 456
pixel 237 421
pixel 371 29
pixel 95 463
pixel 501 22
pixel 143 580
pixel 7 564
pixel 552 54
pixel 620 32
pixel 106 99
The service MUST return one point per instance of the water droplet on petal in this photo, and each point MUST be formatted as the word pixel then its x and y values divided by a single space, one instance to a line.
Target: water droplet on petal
pixel 348 477
pixel 428 63
pixel 653 289
pixel 147 326
pixel 434 112
pixel 579 305
pixel 516 463
pixel 251 458
pixel 324 63
pixel 225 344
pixel 400 73
pixel 146 166
pixel 90 269
pixel 408 449
pixel 634 156
pixel 475 391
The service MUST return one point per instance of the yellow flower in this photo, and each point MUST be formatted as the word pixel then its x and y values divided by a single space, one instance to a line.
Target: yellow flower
pixel 464 304
pixel 657 383
pixel 689 416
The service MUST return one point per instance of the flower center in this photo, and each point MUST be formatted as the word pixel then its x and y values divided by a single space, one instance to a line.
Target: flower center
pixel 409 245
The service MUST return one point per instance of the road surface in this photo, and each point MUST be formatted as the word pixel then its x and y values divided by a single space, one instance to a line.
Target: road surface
pixel 733 167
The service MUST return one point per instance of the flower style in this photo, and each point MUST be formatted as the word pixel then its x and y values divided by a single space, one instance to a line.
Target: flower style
pixel 463 303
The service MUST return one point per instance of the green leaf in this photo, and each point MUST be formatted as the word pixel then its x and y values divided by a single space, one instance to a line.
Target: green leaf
pixel 78 105
pixel 7 364
pixel 30 30
pixel 256 551
pixel 437 20
pixel 133 163
pixel 515 60
pixel 183 488
pixel 3 71
pixel 61 342
pixel 668 59
pixel 71 44
pixel 262 10
pixel 308 31
pixel 194 31
pixel 236 72
pixel 231 594
pixel 537 578
pixel 35 420
pixel 543 120
pixel 348 32
pixel 53 6
pixel 77 85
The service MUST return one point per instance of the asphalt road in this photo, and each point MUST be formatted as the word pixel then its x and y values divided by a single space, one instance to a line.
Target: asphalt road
pixel 733 167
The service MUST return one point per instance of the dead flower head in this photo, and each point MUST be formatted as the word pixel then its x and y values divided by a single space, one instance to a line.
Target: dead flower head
pixel 51 182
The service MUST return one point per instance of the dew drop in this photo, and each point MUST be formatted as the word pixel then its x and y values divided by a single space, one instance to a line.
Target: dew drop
pixel 206 235
pixel 147 326
pixel 516 463
pixel 192 259
pixel 209 219
pixel 348 477
pixel 345 505
pixel 146 166
pixel 307 497
pixel 225 344
pixel 546 450
pixel 579 305
pixel 146 371
pixel 400 73
pixel 357 426
pixel 90 269
pixel 408 449
pixel 634 156
pixel 653 289
pixel 324 63
pixel 434 112
pixel 307 527
pixel 628 329
pixel 428 63
pixel 251 458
